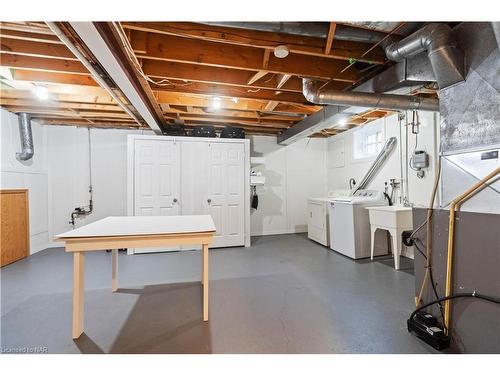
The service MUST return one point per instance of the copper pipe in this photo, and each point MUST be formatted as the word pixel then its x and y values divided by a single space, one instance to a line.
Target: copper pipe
pixel 456 203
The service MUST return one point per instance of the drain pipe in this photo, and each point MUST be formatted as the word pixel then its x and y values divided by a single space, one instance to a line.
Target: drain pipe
pixel 439 41
pixel 363 99
pixel 28 149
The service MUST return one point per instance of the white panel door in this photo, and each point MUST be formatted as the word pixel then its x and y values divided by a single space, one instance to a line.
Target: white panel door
pixel 194 177
pixel 226 191
pixel 156 180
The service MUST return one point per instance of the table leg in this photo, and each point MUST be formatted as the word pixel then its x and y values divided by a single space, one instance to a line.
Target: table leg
pixel 78 293
pixel 114 270
pixel 373 229
pixel 205 282
pixel 396 246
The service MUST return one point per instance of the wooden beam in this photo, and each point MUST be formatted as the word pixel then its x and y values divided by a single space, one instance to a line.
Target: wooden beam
pixel 234 92
pixel 265 58
pixel 171 110
pixel 237 120
pixel 256 77
pixel 343 50
pixel 226 103
pixel 177 49
pixel 68 112
pixel 34 27
pixel 330 37
pixel 282 79
pixel 83 123
pixel 223 76
pixel 139 41
pixel 271 106
pixel 111 37
pixel 249 129
pixel 53 77
pixel 30 48
pixel 33 103
pixel 29 36
pixel 43 64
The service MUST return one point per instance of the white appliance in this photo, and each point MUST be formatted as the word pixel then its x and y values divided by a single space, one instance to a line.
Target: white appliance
pixel 317 216
pixel 350 224
pixel 192 176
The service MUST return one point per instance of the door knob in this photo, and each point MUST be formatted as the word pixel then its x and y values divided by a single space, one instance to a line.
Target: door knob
pixel 175 200
pixel 209 201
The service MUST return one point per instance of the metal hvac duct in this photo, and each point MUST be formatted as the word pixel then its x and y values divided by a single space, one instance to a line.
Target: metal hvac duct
pixel 377 163
pixel 27 147
pixel 438 40
pixel 367 100
pixel 310 29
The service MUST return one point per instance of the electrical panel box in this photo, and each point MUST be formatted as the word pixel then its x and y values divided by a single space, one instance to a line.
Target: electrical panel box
pixel 420 159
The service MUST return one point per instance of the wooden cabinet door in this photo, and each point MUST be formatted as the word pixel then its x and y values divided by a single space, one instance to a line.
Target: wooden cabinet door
pixel 14 243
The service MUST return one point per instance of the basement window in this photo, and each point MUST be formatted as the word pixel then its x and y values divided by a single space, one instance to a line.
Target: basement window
pixel 368 141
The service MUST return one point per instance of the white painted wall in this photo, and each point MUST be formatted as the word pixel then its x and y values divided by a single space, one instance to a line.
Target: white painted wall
pixel 31 174
pixel 293 173
pixel 68 170
pixel 419 189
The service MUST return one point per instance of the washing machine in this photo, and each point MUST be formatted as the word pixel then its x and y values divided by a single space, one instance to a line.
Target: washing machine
pixel 350 224
pixel 318 228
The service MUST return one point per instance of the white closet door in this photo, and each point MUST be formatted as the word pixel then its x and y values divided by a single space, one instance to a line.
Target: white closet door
pixel 194 177
pixel 226 193
pixel 156 180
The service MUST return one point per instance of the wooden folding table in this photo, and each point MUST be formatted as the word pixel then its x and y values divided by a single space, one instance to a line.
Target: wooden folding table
pixel 117 232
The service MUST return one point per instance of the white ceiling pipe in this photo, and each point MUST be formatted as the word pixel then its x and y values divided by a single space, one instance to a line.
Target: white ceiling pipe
pixel 91 69
pixel 95 42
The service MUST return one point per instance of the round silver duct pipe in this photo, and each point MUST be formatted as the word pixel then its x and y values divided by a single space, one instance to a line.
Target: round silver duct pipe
pixel 439 41
pixel 27 147
pixel 310 29
pixel 368 100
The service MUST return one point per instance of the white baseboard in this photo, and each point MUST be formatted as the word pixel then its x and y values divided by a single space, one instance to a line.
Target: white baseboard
pixel 274 232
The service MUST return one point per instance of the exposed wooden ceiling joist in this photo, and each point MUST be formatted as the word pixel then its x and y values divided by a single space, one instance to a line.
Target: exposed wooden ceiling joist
pixel 343 50
pixel 330 37
pixel 195 62
pixel 186 50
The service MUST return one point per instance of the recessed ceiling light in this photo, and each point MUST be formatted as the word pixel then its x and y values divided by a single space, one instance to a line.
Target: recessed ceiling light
pixel 281 51
pixel 41 92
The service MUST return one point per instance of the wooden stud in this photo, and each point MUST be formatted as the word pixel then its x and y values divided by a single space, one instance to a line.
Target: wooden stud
pixel 256 76
pixel 78 293
pixel 271 106
pixel 265 58
pixel 282 79
pixel 330 37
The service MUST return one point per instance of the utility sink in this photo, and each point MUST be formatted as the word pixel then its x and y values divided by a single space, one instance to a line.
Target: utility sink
pixel 391 216
pixel 395 220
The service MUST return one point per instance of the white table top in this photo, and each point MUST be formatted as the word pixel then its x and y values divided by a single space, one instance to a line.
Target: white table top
pixel 143 225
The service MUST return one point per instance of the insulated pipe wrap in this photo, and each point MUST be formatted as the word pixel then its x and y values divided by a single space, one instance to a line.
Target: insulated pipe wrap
pixel 368 100
pixel 27 147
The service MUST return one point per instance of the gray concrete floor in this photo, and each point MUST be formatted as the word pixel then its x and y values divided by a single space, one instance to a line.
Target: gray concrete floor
pixel 284 294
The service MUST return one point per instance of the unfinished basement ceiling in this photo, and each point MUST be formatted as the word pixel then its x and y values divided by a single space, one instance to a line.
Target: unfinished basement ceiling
pixel 198 74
